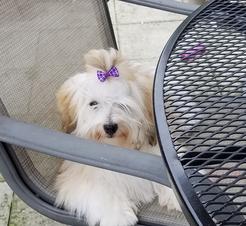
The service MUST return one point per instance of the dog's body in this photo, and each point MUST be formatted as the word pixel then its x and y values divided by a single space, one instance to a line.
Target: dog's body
pixel 118 111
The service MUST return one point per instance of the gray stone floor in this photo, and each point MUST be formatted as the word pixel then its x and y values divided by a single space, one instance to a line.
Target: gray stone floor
pixel 141 35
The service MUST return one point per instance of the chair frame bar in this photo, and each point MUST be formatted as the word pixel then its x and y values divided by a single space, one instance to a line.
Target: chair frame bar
pixel 167 5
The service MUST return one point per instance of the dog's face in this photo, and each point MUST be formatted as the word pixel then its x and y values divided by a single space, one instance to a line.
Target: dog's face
pixel 112 112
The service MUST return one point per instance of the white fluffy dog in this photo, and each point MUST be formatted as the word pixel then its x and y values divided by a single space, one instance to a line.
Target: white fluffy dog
pixel 111 103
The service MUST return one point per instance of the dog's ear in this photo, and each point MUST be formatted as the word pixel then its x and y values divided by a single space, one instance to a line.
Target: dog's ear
pixel 145 81
pixel 66 107
pixel 150 115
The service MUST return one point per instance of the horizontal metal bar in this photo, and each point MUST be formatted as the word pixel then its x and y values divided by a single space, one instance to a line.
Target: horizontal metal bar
pixel 58 144
pixel 167 5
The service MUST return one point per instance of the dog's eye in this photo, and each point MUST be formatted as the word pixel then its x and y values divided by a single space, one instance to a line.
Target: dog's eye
pixel 124 108
pixel 93 103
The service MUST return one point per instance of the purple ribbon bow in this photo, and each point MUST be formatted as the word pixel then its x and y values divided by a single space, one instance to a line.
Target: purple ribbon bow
pixel 102 76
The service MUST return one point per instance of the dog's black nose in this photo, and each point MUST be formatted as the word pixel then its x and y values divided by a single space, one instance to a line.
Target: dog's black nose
pixel 110 129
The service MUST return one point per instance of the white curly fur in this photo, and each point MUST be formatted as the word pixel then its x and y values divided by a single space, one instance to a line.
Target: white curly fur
pixel 102 196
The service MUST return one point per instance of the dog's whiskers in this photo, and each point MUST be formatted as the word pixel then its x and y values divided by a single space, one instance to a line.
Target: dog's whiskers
pixel 124 107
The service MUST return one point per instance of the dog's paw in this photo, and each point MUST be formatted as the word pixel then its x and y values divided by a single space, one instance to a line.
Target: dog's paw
pixel 124 218
pixel 167 198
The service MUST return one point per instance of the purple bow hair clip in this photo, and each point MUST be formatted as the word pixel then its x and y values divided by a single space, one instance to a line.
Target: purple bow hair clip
pixel 192 53
pixel 113 72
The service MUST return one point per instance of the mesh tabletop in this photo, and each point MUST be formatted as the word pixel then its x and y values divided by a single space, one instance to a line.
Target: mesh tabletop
pixel 200 107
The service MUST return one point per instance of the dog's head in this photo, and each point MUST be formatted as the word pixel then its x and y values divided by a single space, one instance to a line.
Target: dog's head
pixel 116 111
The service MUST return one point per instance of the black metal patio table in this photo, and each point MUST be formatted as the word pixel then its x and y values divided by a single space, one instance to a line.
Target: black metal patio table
pixel 200 111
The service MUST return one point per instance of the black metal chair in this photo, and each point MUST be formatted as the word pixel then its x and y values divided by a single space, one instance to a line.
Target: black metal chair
pixel 41 43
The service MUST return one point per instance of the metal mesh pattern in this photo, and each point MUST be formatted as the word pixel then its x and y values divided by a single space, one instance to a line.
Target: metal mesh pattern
pixel 161 216
pixel 205 106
